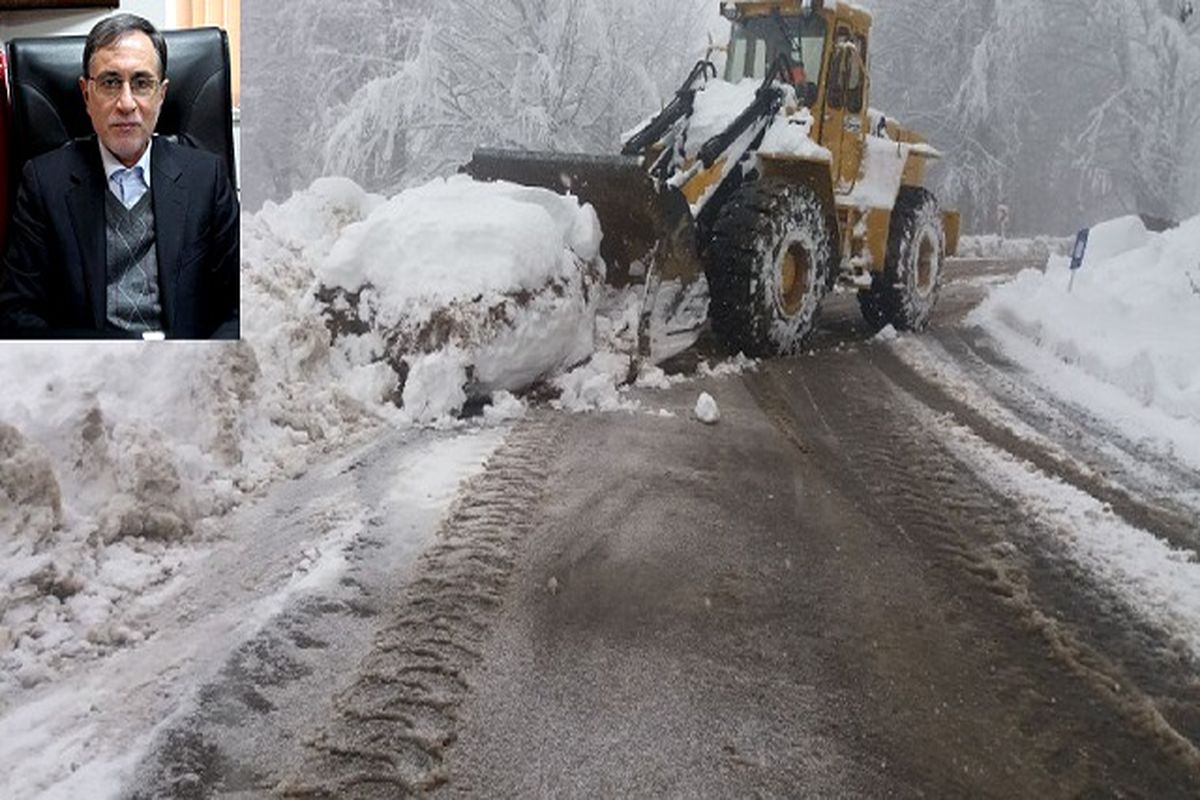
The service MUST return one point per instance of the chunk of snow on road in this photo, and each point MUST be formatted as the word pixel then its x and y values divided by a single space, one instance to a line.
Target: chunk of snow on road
pixel 434 388
pixel 886 334
pixel 706 409
pixel 504 406
pixel 731 366
pixel 593 386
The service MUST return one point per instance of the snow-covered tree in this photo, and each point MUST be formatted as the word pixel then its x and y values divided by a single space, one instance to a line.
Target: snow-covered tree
pixel 301 60
pixel 1066 111
pixel 539 74
pixel 1135 140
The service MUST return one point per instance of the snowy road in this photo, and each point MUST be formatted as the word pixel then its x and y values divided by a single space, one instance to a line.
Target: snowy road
pixel 860 584
pixel 892 568
pixel 280 607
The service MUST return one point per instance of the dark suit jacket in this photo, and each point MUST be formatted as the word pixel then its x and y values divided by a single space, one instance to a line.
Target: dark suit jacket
pixel 53 279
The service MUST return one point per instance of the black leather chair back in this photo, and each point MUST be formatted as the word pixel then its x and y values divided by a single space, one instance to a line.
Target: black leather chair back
pixel 4 190
pixel 48 111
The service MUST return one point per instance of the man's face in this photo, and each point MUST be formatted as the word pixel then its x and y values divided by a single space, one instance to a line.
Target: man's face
pixel 115 91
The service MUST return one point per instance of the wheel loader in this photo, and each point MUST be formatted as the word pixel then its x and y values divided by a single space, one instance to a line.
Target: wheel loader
pixel 744 201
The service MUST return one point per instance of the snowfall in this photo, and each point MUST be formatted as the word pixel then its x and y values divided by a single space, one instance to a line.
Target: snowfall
pixel 436 309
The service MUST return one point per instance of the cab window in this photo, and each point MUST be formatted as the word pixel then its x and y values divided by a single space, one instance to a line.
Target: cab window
pixel 757 41
pixel 847 81
pixel 838 66
pixel 855 82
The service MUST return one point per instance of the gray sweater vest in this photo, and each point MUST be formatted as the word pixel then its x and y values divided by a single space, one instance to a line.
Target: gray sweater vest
pixel 132 295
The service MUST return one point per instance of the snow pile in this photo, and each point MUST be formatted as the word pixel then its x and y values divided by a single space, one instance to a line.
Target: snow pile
pixel 117 458
pixel 504 406
pixel 1132 319
pixel 594 386
pixel 651 376
pixel 281 245
pixel 466 288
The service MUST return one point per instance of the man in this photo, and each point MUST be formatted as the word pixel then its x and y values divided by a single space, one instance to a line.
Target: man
pixel 125 233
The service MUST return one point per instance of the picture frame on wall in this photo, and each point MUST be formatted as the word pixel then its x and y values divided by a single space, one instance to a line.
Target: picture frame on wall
pixel 26 5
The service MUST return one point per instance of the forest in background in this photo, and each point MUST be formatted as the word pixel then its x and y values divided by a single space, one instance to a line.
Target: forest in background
pixel 1066 112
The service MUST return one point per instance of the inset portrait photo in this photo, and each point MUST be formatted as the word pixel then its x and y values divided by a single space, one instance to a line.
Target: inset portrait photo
pixel 119 210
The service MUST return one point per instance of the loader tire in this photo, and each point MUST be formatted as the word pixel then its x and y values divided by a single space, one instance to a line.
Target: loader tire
pixel 903 295
pixel 767 262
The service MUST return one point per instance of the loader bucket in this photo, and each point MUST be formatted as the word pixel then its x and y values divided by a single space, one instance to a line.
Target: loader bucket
pixel 648 236
pixel 645 230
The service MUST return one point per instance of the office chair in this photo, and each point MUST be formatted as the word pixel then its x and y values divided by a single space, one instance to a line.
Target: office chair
pixel 4 197
pixel 47 108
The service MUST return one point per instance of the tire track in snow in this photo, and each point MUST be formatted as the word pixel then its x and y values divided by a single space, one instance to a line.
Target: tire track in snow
pixel 362 524
pixel 1179 529
pixel 1137 557
pixel 391 726
pixel 1143 470
pixel 1099 545
pixel 874 428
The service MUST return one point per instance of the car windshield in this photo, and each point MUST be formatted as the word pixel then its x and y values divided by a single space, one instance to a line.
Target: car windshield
pixel 757 41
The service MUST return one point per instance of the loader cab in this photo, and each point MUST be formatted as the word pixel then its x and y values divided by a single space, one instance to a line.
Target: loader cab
pixel 756 41
pixel 842 110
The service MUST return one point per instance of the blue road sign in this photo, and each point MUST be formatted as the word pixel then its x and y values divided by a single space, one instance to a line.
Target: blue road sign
pixel 1081 240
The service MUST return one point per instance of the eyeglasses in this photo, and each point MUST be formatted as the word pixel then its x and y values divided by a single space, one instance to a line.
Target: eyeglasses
pixel 109 85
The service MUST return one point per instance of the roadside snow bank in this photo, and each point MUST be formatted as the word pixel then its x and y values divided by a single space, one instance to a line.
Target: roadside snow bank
pixel 1132 320
pixel 467 288
pixel 1038 248
pixel 117 459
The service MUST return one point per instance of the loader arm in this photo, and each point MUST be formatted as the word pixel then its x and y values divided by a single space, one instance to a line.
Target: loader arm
pixel 767 102
pixel 679 107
